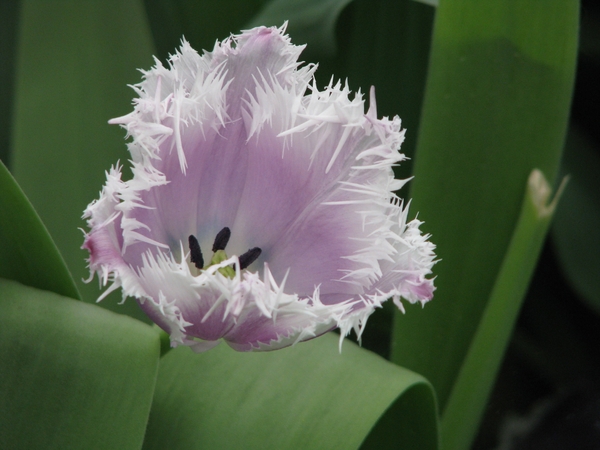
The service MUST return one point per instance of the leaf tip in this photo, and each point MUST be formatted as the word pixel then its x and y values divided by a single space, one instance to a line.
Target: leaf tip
pixel 540 191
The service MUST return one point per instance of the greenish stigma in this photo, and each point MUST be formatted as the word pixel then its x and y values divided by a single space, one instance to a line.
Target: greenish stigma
pixel 218 257
pixel 219 254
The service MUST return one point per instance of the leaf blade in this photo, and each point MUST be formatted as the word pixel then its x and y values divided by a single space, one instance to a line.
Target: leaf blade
pixel 28 254
pixel 497 99
pixel 75 60
pixel 482 362
pixel 73 375
pixel 307 396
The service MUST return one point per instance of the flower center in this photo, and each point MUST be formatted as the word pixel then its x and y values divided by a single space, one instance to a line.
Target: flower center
pixel 219 254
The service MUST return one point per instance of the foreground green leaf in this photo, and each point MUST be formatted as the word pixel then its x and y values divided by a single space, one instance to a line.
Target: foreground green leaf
pixel 305 397
pixel 27 253
pixel 496 105
pixel 75 60
pixel 74 376
pixel 476 378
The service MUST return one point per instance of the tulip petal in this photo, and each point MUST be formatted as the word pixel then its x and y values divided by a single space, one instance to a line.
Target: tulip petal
pixel 238 152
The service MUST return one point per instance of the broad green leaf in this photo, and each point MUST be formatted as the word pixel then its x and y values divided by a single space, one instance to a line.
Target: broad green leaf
pixel 576 229
pixel 496 105
pixel 305 397
pixel 201 22
pixel 27 253
pixel 74 376
pixel 74 63
pixel 476 378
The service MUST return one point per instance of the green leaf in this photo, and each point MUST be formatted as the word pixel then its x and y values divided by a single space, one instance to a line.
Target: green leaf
pixel 476 378
pixel 305 397
pixel 27 253
pixel 74 63
pixel 576 231
pixel 496 105
pixel 73 375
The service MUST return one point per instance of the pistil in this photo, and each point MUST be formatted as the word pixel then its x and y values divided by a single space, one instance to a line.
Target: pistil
pixel 219 255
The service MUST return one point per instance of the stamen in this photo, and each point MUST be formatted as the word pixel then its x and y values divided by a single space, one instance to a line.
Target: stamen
pixel 222 239
pixel 195 252
pixel 249 257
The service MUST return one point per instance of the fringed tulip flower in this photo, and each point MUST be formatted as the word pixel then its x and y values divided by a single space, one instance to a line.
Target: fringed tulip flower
pixel 261 210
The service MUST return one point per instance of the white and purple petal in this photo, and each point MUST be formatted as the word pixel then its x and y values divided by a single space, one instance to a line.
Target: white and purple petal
pixel 242 138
